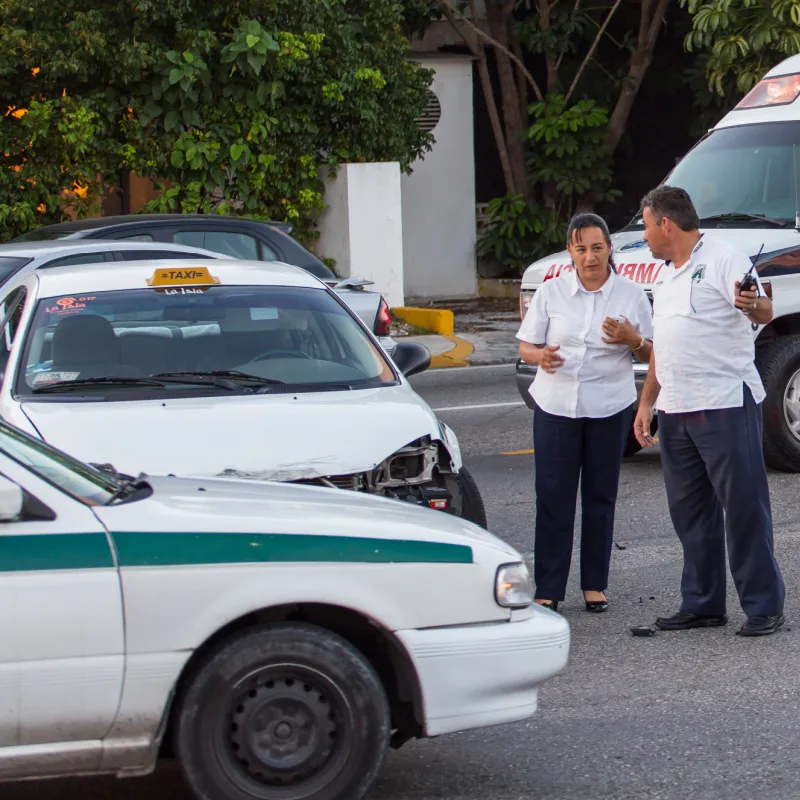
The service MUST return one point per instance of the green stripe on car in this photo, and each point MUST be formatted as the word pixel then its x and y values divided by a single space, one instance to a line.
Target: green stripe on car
pixel 171 549
pixel 73 551
pixel 54 551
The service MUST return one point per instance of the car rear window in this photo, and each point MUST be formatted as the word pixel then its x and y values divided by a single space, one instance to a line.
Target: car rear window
pixel 234 245
pixel 9 265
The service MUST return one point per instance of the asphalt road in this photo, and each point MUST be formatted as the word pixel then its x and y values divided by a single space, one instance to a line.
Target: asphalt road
pixel 705 715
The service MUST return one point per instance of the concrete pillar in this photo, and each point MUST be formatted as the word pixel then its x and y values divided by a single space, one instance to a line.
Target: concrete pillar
pixel 362 227
pixel 439 225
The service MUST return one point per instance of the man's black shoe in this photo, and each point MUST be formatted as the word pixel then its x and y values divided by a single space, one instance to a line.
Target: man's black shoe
pixel 761 626
pixel 684 620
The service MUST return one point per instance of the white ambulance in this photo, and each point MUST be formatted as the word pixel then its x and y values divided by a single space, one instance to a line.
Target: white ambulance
pixel 744 179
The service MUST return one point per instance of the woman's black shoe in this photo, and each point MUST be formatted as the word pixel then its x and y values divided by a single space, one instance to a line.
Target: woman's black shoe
pixel 597 606
pixel 551 604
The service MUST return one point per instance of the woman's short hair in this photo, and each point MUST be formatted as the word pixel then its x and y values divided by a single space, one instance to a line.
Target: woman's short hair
pixel 580 222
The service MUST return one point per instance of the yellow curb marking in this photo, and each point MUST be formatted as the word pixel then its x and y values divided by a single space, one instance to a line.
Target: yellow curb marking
pixel 436 320
pixel 455 357
pixel 518 452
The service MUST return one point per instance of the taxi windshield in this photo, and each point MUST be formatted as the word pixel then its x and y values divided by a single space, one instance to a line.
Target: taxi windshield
pixel 78 480
pixel 209 339
pixel 763 182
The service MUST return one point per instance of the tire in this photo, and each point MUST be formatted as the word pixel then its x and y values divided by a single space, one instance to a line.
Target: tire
pixel 779 366
pixel 472 508
pixel 287 711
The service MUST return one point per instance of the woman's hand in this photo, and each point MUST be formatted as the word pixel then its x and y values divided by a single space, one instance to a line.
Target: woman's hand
pixel 549 359
pixel 544 356
pixel 620 333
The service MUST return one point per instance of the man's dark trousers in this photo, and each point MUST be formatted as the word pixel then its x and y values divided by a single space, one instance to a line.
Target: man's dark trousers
pixel 713 463
pixel 568 452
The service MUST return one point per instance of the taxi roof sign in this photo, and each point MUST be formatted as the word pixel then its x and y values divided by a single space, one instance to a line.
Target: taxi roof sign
pixel 186 276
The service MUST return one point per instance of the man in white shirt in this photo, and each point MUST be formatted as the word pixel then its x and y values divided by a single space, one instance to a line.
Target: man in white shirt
pixel 709 395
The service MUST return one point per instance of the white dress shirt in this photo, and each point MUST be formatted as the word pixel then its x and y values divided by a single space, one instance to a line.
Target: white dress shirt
pixel 596 379
pixel 704 346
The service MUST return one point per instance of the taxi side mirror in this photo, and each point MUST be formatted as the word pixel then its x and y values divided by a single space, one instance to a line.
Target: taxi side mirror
pixel 11 500
pixel 411 358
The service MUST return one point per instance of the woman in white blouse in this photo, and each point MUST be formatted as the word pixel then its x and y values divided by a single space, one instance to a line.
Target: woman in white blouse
pixel 582 330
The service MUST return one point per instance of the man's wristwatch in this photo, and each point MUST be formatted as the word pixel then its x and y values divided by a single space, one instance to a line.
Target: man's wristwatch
pixel 639 346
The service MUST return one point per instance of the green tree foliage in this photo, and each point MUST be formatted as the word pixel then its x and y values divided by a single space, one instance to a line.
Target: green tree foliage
pixel 740 40
pixel 568 153
pixel 231 107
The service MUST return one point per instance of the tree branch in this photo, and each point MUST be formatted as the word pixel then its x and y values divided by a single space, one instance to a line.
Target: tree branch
pixel 450 13
pixel 575 10
pixel 592 49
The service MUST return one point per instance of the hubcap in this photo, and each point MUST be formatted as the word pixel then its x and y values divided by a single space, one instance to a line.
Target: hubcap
pixel 791 405
pixel 283 731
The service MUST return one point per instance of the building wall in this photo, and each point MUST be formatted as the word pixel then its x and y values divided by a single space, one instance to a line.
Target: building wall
pixel 438 198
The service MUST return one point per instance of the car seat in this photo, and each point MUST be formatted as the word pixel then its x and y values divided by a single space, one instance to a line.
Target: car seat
pixel 87 344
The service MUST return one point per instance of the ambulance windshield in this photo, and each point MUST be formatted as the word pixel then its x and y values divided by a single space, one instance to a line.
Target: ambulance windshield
pixel 736 175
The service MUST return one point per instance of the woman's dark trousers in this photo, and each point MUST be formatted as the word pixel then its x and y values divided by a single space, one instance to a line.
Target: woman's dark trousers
pixel 568 453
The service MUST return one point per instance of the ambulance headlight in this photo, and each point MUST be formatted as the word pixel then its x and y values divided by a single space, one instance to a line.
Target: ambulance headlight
pixel 513 586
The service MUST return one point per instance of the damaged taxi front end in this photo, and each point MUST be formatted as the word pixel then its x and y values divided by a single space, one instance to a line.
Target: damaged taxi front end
pixel 424 472
pixel 250 371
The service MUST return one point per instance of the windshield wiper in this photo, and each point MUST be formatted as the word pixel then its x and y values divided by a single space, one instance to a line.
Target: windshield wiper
pixel 741 215
pixel 107 381
pixel 233 374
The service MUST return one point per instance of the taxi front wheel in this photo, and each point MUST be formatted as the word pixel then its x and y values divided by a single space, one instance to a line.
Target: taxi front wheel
pixel 472 507
pixel 287 711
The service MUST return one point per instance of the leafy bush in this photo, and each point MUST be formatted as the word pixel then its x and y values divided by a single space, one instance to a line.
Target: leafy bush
pixel 568 163
pixel 231 108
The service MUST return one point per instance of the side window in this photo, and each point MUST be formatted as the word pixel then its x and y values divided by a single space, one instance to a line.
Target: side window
pixel 68 261
pixel 13 307
pixel 148 255
pixel 233 245
pixel 136 237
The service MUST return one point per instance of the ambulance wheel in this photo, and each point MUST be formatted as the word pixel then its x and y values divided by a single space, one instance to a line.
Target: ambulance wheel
pixel 286 711
pixel 779 366
pixel 472 508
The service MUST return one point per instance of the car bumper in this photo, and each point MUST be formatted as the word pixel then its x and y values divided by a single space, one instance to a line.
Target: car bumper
pixel 526 373
pixel 480 675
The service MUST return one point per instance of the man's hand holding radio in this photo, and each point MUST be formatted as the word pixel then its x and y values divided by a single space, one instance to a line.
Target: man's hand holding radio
pixel 758 309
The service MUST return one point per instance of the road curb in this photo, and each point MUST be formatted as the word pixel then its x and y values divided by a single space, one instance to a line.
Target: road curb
pixel 455 357
pixel 436 320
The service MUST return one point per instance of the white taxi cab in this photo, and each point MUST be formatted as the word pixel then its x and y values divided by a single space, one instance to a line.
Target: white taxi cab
pixel 275 638
pixel 227 368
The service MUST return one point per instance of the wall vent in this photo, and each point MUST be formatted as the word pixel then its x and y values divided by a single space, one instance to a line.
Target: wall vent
pixel 431 114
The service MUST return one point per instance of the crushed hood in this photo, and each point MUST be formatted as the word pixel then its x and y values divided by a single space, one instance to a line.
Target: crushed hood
pixel 263 437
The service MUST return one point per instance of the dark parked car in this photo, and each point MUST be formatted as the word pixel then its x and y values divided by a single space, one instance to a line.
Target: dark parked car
pixel 235 237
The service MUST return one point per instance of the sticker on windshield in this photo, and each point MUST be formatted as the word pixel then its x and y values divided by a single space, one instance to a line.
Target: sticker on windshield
pixel 194 280
pixel 69 305
pixel 55 377
pixel 41 366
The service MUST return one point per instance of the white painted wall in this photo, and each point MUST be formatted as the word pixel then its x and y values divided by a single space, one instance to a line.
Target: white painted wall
pixel 362 228
pixel 438 201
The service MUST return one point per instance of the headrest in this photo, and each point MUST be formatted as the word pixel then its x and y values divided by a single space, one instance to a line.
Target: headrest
pixel 85 339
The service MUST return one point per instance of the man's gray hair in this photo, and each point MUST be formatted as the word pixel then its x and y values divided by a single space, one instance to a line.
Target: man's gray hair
pixel 672 202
